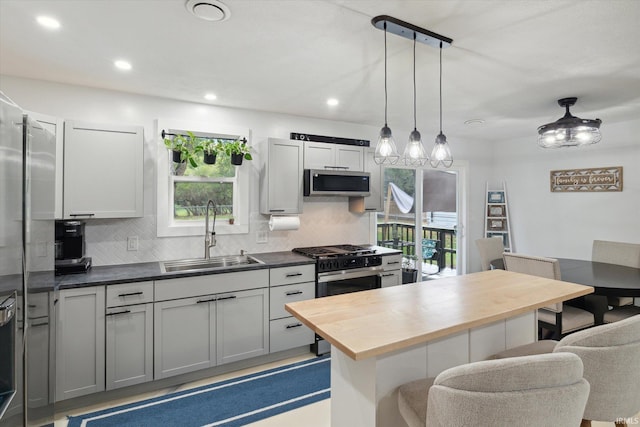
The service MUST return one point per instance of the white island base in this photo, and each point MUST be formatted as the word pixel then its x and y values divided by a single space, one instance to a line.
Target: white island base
pixel 363 392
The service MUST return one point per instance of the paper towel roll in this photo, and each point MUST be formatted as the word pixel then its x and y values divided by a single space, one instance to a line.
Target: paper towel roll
pixel 284 222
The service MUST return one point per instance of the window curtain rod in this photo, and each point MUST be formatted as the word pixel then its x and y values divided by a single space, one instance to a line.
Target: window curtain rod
pixel 165 134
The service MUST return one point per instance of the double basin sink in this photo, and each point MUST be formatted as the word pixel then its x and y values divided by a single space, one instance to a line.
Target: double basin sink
pixel 202 264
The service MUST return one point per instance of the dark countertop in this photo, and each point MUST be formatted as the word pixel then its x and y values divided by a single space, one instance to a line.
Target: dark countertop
pixel 128 273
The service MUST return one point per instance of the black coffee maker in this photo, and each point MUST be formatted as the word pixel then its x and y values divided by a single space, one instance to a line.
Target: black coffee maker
pixel 70 248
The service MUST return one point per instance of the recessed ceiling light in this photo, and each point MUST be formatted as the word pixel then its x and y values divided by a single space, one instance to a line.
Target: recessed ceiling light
pixel 474 122
pixel 210 96
pixel 122 65
pixel 48 22
pixel 332 102
pixel 209 10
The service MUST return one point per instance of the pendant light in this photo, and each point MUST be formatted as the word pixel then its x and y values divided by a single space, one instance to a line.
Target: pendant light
pixel 441 154
pixel 386 151
pixel 414 152
pixel 569 131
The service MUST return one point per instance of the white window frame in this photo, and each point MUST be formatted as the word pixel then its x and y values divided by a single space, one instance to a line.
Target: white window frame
pixel 166 226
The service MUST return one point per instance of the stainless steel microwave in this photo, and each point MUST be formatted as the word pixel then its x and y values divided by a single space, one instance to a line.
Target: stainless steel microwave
pixel 318 182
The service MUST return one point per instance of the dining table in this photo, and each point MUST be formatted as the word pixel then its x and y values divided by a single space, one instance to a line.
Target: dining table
pixel 605 279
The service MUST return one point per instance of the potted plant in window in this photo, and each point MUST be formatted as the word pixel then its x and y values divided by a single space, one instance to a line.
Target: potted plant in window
pixel 238 150
pixel 210 149
pixel 183 148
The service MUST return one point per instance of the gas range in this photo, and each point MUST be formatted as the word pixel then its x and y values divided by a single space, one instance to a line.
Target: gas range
pixel 341 257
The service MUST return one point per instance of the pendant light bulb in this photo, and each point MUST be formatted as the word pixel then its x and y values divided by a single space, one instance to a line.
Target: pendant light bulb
pixel 386 151
pixel 414 152
pixel 441 153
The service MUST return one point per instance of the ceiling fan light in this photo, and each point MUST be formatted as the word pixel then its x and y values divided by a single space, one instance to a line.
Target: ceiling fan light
pixel 569 131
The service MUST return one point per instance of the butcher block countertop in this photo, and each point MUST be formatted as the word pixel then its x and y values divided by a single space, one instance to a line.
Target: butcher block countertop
pixel 371 323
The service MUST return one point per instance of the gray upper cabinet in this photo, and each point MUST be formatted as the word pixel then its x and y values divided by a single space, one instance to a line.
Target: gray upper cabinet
pixel 321 155
pixel 281 183
pixel 374 202
pixel 103 171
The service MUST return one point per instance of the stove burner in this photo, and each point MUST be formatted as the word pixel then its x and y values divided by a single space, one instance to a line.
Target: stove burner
pixel 335 251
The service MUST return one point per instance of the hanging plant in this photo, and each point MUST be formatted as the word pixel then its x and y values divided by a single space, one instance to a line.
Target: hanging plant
pixel 210 149
pixel 184 148
pixel 238 150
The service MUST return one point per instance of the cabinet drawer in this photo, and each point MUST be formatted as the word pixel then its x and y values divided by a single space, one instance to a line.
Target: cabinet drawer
pixel 129 293
pixel 392 262
pixel 280 295
pixel 187 287
pixel 38 305
pixel 288 333
pixel 391 278
pixel 293 274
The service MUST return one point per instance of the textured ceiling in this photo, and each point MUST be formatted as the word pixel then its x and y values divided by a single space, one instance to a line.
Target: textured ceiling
pixel 509 63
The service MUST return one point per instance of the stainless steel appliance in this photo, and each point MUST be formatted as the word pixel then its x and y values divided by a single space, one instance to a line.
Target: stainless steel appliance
pixel 341 269
pixel 7 350
pixel 27 168
pixel 70 246
pixel 319 182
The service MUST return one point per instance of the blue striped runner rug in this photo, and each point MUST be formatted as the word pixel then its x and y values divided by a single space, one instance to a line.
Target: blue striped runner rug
pixel 234 402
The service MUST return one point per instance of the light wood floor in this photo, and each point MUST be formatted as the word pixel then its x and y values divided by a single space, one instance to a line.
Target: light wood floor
pixel 314 415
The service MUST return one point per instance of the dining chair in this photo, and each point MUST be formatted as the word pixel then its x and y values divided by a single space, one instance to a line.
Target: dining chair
pixel 611 358
pixel 559 318
pixel 547 389
pixel 490 249
pixel 620 253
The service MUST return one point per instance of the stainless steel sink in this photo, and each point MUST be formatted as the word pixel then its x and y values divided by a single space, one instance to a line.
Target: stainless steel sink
pixel 201 264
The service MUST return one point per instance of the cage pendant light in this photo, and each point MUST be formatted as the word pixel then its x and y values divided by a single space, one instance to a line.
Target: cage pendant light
pixel 386 151
pixel 441 153
pixel 569 131
pixel 414 152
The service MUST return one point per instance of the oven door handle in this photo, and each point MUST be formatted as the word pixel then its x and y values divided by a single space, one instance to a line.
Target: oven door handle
pixel 7 310
pixel 346 275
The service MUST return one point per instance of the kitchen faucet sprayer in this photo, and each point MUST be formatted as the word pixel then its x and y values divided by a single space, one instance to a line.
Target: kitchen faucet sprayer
pixel 209 237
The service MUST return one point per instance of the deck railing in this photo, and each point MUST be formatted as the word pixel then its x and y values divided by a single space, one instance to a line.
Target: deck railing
pixel 401 236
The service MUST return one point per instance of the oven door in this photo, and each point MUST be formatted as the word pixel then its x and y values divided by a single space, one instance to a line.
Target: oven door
pixel 7 350
pixel 346 281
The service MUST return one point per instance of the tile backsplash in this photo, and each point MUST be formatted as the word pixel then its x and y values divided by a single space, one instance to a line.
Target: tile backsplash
pixel 322 223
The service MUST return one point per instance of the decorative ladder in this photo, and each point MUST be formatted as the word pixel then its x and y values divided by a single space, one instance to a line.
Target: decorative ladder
pixel 496 216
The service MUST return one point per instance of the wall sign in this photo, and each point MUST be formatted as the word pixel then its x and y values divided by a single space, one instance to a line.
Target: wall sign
pixel 587 180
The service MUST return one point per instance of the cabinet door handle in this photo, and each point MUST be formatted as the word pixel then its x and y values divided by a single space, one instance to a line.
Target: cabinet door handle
pixel 206 300
pixel 33 325
pixel 293 274
pixel 276 210
pixel 82 214
pixel 118 312
pixel 130 294
pixel 293 325
pixel 387 275
pixel 393 262
pixel 293 293
pixel 229 297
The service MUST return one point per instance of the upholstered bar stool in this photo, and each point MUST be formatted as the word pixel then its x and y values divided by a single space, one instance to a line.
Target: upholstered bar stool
pixel 541 390
pixel 611 358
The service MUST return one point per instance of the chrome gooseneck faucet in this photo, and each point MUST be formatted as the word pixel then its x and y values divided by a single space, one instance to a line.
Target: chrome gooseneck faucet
pixel 209 237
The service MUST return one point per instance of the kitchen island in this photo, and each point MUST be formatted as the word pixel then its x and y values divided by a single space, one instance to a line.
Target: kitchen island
pixel 385 337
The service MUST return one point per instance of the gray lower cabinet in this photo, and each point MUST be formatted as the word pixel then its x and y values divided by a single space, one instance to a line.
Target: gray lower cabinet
pixel 80 342
pixel 289 284
pixel 129 334
pixel 201 332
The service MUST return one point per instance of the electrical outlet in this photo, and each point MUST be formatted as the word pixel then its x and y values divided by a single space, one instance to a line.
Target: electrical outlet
pixel 261 237
pixel 132 243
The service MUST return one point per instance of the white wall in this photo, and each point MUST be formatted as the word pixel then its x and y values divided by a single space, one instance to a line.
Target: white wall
pixel 554 224
pixel 565 224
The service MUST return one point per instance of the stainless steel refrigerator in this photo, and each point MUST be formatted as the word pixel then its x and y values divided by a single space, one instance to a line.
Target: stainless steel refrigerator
pixel 27 283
